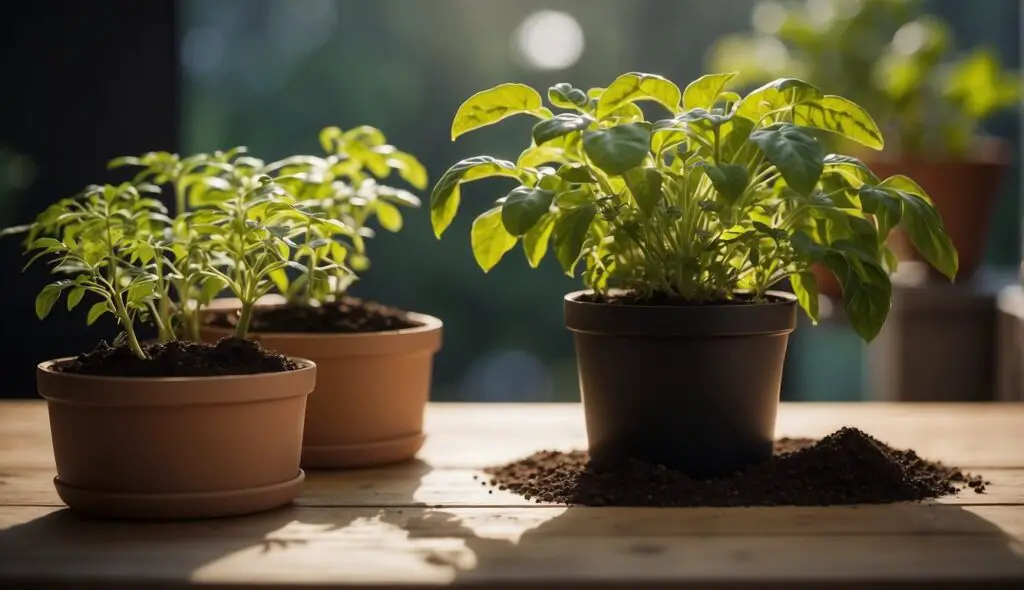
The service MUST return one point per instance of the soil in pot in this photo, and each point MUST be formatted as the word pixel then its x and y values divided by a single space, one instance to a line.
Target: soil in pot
pixel 347 316
pixel 846 467
pixel 229 356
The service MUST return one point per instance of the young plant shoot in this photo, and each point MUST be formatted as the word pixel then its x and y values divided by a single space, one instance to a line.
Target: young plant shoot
pixel 720 197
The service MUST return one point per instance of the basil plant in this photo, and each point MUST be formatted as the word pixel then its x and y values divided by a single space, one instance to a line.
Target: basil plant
pixel 719 196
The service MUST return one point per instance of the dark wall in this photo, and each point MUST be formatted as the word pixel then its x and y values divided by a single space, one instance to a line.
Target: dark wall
pixel 82 82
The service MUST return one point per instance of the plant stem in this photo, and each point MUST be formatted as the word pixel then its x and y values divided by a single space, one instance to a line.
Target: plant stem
pixel 244 318
pixel 126 323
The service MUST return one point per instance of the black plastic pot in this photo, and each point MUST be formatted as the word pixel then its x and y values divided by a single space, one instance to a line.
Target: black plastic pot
pixel 693 388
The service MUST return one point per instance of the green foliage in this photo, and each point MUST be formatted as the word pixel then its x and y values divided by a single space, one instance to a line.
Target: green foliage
pixel 297 226
pixel 886 55
pixel 725 194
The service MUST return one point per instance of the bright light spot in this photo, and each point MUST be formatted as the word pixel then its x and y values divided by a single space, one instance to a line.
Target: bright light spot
pixel 549 40
pixel 771 53
pixel 202 50
pixel 768 17
pixel 821 12
pixel 910 38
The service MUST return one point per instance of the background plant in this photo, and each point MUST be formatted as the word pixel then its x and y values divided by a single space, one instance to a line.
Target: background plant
pixel 724 194
pixel 887 55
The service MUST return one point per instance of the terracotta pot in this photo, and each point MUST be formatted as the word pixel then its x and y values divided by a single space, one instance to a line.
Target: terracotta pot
pixel 963 191
pixel 694 388
pixel 371 393
pixel 176 448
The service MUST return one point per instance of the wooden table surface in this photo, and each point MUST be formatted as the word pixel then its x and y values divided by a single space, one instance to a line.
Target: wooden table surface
pixel 429 522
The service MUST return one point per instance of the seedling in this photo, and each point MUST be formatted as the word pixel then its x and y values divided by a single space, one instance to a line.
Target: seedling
pixel 721 197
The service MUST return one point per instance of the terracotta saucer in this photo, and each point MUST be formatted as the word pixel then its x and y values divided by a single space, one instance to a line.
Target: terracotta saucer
pixel 362 455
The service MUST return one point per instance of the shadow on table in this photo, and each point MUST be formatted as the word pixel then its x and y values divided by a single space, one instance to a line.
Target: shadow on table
pixel 61 545
pixel 884 542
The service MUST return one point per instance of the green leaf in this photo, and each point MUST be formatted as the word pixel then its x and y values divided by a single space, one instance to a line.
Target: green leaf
pixel 569 233
pixel 805 287
pixel 703 92
pixel 636 86
pixel 329 137
pixel 574 198
pixel 524 207
pixel 730 180
pixel 775 95
pixel 95 312
pixel 924 226
pixel 48 296
pixel 489 239
pixel 389 216
pixel 618 149
pixel 798 155
pixel 841 116
pixel 496 104
pixel 576 173
pixel 138 292
pixel 558 126
pixel 444 199
pixel 886 208
pixel 279 277
pixel 855 172
pixel 409 168
pixel 564 96
pixel 645 185
pixel 75 296
pixel 867 290
pixel 535 242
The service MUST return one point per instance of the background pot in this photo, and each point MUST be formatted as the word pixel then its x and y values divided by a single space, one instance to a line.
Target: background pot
pixel 964 192
pixel 371 392
pixel 175 448
pixel 694 388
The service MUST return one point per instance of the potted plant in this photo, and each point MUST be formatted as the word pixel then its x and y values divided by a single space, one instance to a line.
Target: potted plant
pixel 171 428
pixel 682 226
pixel 898 63
pixel 374 362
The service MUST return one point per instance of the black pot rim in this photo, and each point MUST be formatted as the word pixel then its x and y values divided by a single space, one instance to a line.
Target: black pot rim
pixel 705 321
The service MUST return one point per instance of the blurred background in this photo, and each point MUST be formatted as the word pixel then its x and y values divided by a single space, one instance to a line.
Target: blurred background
pixel 87 81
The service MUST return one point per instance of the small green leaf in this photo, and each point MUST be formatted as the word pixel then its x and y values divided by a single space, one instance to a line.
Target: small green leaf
pixel 328 138
pixel 636 86
pixel 574 198
pixel 798 155
pixel 618 149
pixel 564 96
pixel 535 242
pixel 96 311
pixel 841 116
pixel 389 216
pixel 886 208
pixel 409 168
pixel 576 173
pixel 444 199
pixel 867 290
pixel 489 239
pixel 703 92
pixel 855 172
pixel 279 277
pixel 775 95
pixel 730 180
pixel 645 185
pixel 75 296
pixel 48 296
pixel 558 126
pixel 805 287
pixel 569 233
pixel 138 292
pixel 496 104
pixel 524 207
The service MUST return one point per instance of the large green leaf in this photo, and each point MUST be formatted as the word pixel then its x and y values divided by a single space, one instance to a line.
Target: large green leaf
pixel 730 180
pixel 535 242
pixel 775 95
pixel 840 116
pixel 564 96
pixel 854 172
pixel 797 154
pixel 618 149
pixel 496 104
pixel 867 290
pixel 703 92
pixel 805 287
pixel 886 208
pixel 489 239
pixel 444 199
pixel 558 126
pixel 570 232
pixel 636 86
pixel 645 185
pixel 523 208
pixel 923 225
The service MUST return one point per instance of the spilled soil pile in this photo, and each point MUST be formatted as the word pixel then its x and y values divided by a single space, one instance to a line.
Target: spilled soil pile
pixel 846 467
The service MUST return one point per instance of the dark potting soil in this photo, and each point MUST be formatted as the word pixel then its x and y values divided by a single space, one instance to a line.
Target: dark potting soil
pixel 846 467
pixel 669 300
pixel 349 315
pixel 230 356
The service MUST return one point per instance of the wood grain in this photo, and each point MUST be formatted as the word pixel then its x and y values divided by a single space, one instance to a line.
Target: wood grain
pixel 428 522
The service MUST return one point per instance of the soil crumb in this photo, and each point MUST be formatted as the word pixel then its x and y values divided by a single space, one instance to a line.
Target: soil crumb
pixel 230 356
pixel 347 316
pixel 846 467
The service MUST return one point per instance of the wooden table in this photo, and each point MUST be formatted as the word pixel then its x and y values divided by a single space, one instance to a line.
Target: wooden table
pixel 430 523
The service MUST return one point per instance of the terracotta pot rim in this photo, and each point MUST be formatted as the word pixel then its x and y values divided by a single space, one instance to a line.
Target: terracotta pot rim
pixel 787 297
pixel 109 391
